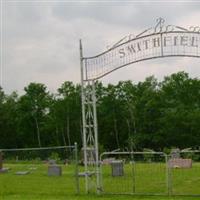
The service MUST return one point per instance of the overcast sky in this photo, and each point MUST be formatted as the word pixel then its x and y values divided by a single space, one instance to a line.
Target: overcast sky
pixel 41 38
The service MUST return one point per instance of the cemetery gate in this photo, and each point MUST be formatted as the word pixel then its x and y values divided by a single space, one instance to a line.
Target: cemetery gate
pixel 150 173
pixel 134 173
pixel 160 41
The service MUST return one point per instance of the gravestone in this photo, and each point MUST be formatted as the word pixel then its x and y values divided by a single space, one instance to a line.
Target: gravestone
pixel 180 163
pixel 88 174
pixel 175 153
pixel 54 169
pixel 22 172
pixel 177 162
pixel 117 168
pixel 2 170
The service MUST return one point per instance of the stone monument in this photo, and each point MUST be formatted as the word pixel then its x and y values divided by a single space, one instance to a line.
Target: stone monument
pixel 54 169
pixel 2 170
pixel 117 168
pixel 177 162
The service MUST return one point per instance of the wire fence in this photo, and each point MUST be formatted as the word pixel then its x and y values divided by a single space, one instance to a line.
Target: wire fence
pixel 185 174
pixel 141 173
pixel 133 173
pixel 61 154
pixel 150 173
pixel 52 167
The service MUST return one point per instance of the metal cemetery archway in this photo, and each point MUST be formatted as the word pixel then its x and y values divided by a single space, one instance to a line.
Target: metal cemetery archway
pixel 156 42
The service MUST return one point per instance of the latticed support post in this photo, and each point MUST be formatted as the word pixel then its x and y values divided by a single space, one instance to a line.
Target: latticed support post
pixel 90 129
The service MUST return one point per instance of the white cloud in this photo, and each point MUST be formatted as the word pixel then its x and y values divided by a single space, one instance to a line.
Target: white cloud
pixel 42 41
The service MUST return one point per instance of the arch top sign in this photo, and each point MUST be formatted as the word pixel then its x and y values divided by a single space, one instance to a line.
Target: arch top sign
pixel 156 42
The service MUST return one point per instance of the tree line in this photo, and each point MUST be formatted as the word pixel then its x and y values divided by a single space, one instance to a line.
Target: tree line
pixel 150 114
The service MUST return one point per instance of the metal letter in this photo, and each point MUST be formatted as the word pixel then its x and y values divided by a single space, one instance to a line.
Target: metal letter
pixel 167 41
pixel 131 49
pixel 184 40
pixel 156 42
pixel 194 42
pixel 122 53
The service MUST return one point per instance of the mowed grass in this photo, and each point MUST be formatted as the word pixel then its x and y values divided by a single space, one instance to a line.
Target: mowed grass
pixel 152 178
pixel 148 179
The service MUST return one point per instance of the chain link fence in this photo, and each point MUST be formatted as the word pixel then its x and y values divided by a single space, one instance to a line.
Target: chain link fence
pixel 150 173
pixel 53 168
pixel 134 173
pixel 185 173
pixel 140 173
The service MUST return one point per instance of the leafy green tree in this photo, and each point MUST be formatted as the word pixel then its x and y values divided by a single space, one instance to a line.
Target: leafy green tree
pixel 149 114
pixel 180 107
pixel 65 114
pixel 33 107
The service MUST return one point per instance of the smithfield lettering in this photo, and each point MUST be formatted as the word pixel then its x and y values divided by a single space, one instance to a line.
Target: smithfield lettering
pixel 161 41
pixel 158 42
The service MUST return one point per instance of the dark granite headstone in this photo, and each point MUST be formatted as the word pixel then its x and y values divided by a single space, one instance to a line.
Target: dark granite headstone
pixel 54 170
pixel 117 168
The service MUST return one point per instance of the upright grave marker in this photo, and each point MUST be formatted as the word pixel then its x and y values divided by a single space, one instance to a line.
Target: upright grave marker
pixel 2 170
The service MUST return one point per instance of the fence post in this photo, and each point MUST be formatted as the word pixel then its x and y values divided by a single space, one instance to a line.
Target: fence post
pixel 133 170
pixel 76 168
pixel 168 176
pixel 101 174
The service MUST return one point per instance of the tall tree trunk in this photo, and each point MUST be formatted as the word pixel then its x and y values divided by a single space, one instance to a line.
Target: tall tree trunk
pixel 56 131
pixel 134 124
pixel 116 132
pixel 68 131
pixel 63 136
pixel 38 131
pixel 57 135
pixel 130 108
pixel 129 135
pixel 129 129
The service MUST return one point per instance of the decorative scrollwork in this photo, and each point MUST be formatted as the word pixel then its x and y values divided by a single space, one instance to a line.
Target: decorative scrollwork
pixel 195 29
pixel 131 36
pixel 159 26
pixel 169 28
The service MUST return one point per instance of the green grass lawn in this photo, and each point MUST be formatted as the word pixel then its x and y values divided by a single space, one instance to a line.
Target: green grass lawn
pixel 149 178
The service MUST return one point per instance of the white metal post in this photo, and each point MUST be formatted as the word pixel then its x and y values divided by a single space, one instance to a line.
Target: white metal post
pixel 83 118
pixel 90 129
pixel 96 137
